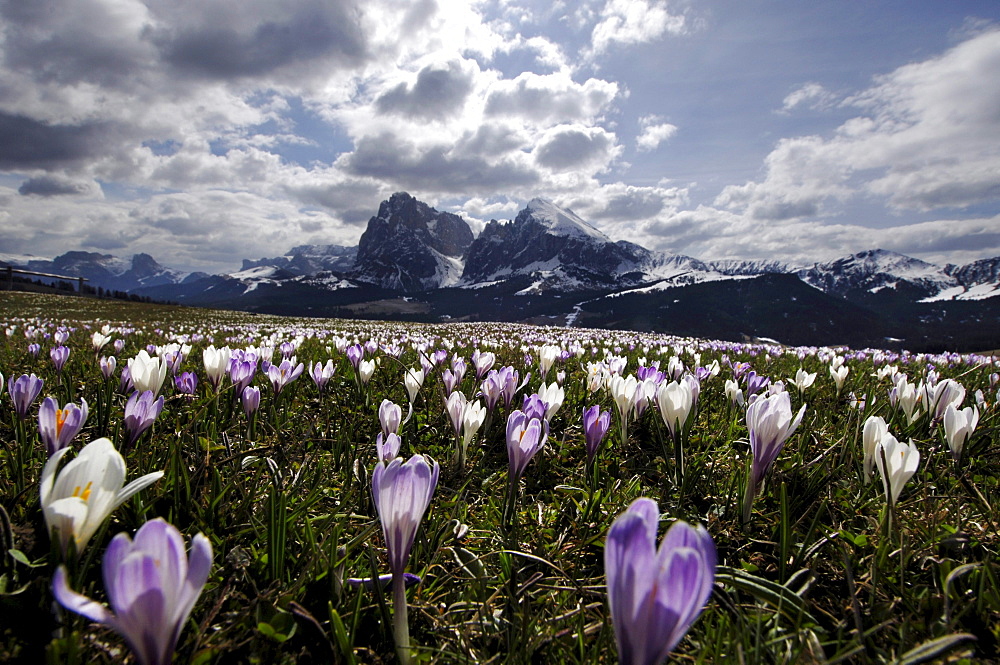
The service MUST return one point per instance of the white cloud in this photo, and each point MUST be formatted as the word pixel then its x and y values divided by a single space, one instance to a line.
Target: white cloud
pixel 634 22
pixel 811 95
pixel 930 140
pixel 653 132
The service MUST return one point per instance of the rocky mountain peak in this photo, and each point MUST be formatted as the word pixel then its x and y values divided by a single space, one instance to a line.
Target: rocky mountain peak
pixel 411 246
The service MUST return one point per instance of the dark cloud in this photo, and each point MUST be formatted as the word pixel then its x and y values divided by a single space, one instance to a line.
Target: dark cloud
pixel 437 168
pixel 325 31
pixel 28 143
pixel 438 92
pixel 571 148
pixel 48 185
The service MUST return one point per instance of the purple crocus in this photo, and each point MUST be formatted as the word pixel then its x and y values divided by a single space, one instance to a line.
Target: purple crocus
pixel 355 353
pixel 59 355
pixel 152 586
pixel 387 446
pixel 655 594
pixel 23 392
pixel 595 427
pixel 241 371
pixel 534 406
pixel 526 435
pixel 56 426
pixel 186 383
pixel 402 492
pixel 141 411
pixel 34 349
pixel 321 374
pixel 108 365
pixel 250 398
pixel 390 415
pixel 770 422
pixel 283 374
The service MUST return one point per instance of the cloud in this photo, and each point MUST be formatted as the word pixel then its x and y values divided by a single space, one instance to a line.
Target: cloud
pixel 634 22
pixel 434 168
pixel 223 40
pixel 811 95
pixel 550 98
pixel 653 132
pixel 929 139
pixel 439 91
pixel 51 185
pixel 26 143
pixel 577 147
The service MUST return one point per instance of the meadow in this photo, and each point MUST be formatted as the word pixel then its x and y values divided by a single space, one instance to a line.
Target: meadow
pixel 819 562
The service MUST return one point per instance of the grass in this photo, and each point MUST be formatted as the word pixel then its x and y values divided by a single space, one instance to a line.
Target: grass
pixel 815 577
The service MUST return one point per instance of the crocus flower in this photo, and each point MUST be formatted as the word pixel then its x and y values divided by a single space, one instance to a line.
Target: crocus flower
pixel 250 399
pixel 943 394
pixel 655 594
pixel 451 381
pixel 483 362
pixel 802 380
pixel 152 586
pixel 455 407
pixel 78 499
pixel 59 355
pixel 553 396
pixel 365 370
pixel 402 492
pixel 355 353
pixel 491 390
pixel 525 436
pixel 147 373
pixel 839 375
pixel 413 380
pixel 56 426
pixel 108 364
pixel 472 420
pixel 141 411
pixel 595 428
pixel 98 340
pixel 676 402
pixel 241 371
pixel 23 392
pixel 390 415
pixel 387 446
pixel 871 435
pixel 216 364
pixel 958 427
pixel 547 355
pixel 896 462
pixel 283 374
pixel 34 349
pixel 186 383
pixel 770 422
pixel 321 374
pixel 734 393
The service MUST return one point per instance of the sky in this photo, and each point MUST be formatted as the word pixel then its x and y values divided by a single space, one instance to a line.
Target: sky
pixel 204 132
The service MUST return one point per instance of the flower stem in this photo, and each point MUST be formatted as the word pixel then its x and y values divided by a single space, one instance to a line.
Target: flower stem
pixel 400 620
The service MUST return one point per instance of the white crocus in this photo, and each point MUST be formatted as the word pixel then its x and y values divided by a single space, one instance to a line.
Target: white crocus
pixel 216 364
pixel 676 401
pixel 839 374
pixel 734 393
pixel 365 370
pixel 77 499
pixel 802 380
pixel 875 428
pixel 148 373
pixel 472 420
pixel 958 427
pixel 413 380
pixel 897 462
pixel 553 396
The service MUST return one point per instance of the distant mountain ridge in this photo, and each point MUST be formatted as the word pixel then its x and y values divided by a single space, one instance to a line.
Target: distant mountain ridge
pixel 549 265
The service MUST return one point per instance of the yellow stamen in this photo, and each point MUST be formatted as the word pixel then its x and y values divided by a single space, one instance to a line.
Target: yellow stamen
pixel 85 494
pixel 60 419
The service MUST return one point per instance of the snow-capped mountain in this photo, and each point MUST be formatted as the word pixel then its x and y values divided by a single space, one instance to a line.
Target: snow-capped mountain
pixel 875 270
pixel 310 259
pixel 107 271
pixel 412 247
pixel 555 247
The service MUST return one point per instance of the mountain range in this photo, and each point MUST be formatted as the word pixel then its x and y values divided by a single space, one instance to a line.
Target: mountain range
pixel 548 265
